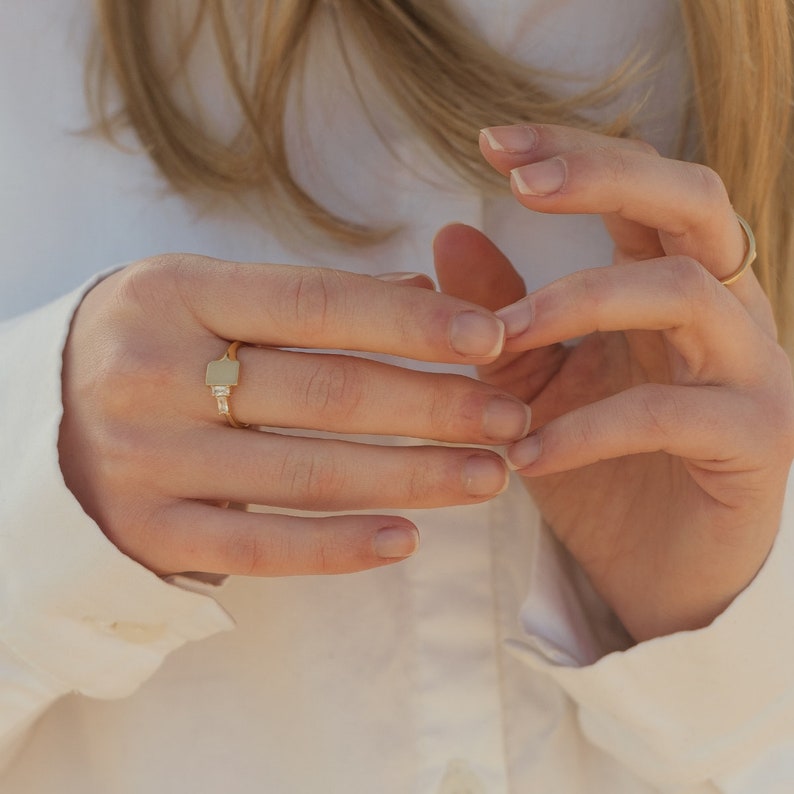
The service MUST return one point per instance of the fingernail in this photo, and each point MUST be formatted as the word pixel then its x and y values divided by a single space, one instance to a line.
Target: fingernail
pixel 475 334
pixel 397 277
pixel 524 452
pixel 516 317
pixel 540 179
pixel 484 476
pixel 516 139
pixel 506 419
pixel 395 542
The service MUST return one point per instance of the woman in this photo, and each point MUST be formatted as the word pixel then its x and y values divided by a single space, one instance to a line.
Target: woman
pixel 649 569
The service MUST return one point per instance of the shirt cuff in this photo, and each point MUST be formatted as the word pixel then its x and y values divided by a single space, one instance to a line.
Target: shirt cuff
pixel 73 609
pixel 681 709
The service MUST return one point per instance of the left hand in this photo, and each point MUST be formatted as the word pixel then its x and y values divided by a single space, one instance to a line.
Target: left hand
pixel 662 440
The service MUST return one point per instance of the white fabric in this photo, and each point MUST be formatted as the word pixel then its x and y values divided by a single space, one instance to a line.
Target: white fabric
pixel 482 665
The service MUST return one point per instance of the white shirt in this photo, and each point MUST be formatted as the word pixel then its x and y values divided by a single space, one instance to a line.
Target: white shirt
pixel 484 664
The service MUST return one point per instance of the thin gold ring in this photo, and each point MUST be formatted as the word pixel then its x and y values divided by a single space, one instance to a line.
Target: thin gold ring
pixel 749 256
pixel 222 374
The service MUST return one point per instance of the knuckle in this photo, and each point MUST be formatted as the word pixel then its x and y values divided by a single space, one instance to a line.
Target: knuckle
pixel 314 295
pixel 251 553
pixel 456 408
pixel 307 547
pixel 686 270
pixel 150 284
pixel 126 367
pixel 129 378
pixel 117 374
pixel 615 163
pixel 419 480
pixel 593 286
pixel 334 389
pixel 440 412
pixel 585 435
pixel 643 147
pixel 322 558
pixel 332 552
pixel 692 285
pixel 709 183
pixel 118 452
pixel 312 481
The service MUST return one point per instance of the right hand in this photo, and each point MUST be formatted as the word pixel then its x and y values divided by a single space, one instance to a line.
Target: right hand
pixel 146 454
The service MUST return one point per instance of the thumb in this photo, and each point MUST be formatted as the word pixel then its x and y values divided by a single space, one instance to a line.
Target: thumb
pixel 471 267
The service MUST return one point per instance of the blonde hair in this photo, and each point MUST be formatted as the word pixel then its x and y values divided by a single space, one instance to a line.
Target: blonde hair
pixel 447 83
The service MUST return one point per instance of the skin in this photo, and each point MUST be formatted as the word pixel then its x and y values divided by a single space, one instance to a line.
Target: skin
pixel 143 448
pixel 661 442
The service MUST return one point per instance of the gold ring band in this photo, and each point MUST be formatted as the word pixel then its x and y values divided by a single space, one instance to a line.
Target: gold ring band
pixel 222 374
pixel 749 256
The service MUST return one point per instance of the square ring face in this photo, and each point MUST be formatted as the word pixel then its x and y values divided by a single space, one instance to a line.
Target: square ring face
pixel 223 372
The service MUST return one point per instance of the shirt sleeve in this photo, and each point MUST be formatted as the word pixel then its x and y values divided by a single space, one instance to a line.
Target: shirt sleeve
pixel 76 615
pixel 714 705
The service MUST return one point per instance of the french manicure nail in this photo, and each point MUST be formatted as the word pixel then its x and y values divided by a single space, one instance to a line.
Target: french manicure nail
pixel 517 318
pixel 506 419
pixel 484 476
pixel 477 335
pixel 516 139
pixel 540 179
pixel 397 277
pixel 392 543
pixel 524 452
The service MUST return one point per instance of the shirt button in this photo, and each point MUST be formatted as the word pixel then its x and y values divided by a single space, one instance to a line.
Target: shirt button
pixel 460 779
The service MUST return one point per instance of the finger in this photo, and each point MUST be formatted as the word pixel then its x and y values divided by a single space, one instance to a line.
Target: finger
pixel 686 203
pixel 327 474
pixel 572 171
pixel 702 424
pixel 471 267
pixel 509 147
pixel 345 394
pixel 190 536
pixel 673 295
pixel 282 305
pixel 408 279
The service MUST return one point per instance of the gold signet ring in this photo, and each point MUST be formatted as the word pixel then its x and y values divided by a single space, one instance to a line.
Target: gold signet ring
pixel 222 374
pixel 749 255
